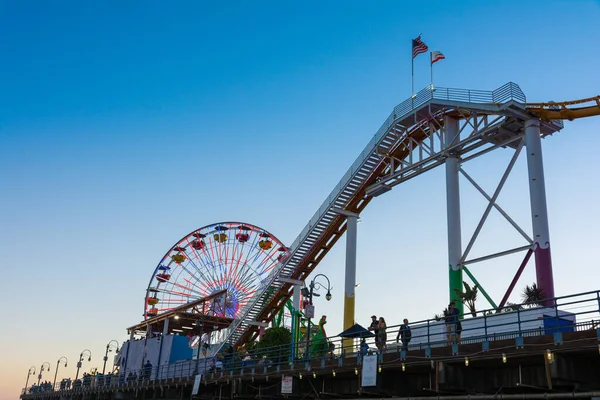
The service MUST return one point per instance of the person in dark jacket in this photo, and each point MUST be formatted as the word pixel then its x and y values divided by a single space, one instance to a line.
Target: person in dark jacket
pixel 405 334
pixel 375 328
pixel 451 319
pixel 374 325
pixel 147 370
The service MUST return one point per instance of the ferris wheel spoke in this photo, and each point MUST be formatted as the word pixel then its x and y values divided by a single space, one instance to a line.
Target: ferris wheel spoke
pixel 194 281
pixel 218 250
pixel 234 269
pixel 251 246
pixel 229 272
pixel 254 253
pixel 197 270
pixel 176 301
pixel 197 258
pixel 248 281
pixel 169 291
pixel 212 251
pixel 261 266
pixel 226 246
pixel 208 266
pixel 221 247
pixel 189 289
pixel 270 267
pixel 203 290
pixel 227 268
pixel 236 275
pixel 269 255
pixel 174 284
pixel 218 273
pixel 245 280
pixel 207 281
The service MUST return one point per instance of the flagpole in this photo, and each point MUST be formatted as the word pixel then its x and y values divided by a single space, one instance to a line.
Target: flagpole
pixel 431 71
pixel 413 77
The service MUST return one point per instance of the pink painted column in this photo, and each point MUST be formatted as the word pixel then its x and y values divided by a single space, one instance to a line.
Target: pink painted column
pixel 539 211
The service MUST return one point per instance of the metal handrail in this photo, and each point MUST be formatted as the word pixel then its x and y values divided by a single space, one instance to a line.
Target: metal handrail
pixel 429 333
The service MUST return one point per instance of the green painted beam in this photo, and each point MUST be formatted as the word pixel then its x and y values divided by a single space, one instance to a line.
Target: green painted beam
pixel 487 296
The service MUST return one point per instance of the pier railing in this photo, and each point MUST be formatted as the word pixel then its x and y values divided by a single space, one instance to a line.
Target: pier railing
pixel 577 312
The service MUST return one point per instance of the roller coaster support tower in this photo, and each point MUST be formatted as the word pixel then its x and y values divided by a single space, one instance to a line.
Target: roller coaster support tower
pixel 452 135
pixel 539 211
pixel 350 280
pixel 437 126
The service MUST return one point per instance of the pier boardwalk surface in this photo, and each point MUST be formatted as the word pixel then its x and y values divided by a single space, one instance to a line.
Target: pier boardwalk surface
pixel 546 366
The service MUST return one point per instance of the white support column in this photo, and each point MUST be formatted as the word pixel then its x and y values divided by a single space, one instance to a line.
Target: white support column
pixel 127 351
pixel 162 343
pixel 296 305
pixel 297 284
pixel 350 276
pixel 166 327
pixel 148 336
pixel 350 280
pixel 539 211
pixel 295 319
pixel 453 212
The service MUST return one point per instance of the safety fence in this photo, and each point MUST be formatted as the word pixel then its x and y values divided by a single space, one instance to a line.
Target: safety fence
pixel 577 312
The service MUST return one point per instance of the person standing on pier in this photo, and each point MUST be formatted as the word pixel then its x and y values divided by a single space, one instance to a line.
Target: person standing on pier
pixel 405 334
pixel 381 334
pixel 451 317
pixel 375 328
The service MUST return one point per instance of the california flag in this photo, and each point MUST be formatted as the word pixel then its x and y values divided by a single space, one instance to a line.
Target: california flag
pixel 436 56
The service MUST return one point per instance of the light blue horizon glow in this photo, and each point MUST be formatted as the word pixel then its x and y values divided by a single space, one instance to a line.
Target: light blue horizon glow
pixel 125 126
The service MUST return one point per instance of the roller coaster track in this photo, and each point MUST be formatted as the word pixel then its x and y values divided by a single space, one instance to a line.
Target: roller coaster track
pixel 404 147
pixel 553 111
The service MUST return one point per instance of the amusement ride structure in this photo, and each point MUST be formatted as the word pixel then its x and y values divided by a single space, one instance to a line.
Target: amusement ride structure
pixel 437 126
pixel 217 288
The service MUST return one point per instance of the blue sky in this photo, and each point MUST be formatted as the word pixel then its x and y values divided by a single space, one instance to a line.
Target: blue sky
pixel 126 125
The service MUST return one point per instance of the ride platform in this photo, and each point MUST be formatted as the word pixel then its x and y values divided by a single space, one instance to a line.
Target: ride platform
pixel 197 317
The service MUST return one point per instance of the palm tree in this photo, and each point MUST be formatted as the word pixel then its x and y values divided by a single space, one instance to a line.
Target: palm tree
pixel 439 317
pixel 468 297
pixel 533 295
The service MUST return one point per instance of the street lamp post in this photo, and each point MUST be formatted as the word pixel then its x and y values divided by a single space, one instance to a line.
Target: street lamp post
pixel 310 292
pixel 89 354
pixel 63 358
pixel 42 370
pixel 109 348
pixel 29 373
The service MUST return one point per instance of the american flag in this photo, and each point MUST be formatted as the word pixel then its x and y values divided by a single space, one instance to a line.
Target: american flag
pixel 418 47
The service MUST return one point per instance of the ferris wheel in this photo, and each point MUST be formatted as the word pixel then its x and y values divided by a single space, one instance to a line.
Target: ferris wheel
pixel 232 256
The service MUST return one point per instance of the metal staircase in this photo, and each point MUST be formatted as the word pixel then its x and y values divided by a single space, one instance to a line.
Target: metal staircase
pixel 409 125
